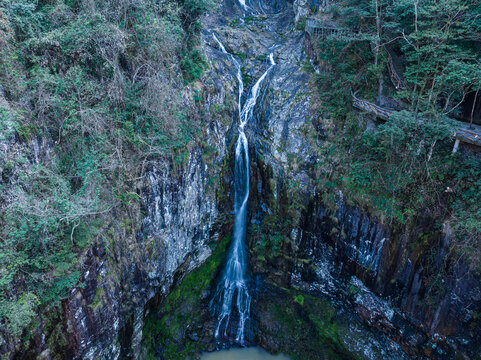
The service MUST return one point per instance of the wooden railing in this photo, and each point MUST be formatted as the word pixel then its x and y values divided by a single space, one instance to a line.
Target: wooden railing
pixel 462 134
pixel 317 28
pixel 380 112
pixel 467 136
pixel 396 80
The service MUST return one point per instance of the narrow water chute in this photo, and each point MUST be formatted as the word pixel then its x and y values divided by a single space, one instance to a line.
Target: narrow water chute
pixel 232 291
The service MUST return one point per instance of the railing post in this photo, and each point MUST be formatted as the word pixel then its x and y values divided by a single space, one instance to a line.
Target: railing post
pixel 456 146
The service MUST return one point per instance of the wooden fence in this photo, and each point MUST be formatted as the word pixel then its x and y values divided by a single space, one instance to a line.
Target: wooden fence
pixel 380 112
pixel 317 28
pixel 462 134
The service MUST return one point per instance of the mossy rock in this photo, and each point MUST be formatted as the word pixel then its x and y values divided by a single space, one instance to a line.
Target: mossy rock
pixel 165 330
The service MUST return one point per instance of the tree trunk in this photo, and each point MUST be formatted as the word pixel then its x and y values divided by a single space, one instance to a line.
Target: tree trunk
pixel 380 98
pixel 472 109
pixel 376 52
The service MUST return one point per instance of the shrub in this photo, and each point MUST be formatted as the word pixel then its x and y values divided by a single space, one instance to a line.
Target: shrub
pixel 193 64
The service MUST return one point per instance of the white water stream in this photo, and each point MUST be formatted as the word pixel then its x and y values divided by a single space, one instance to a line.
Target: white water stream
pixel 232 293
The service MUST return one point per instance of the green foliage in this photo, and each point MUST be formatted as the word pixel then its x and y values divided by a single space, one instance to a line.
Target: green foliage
pixel 269 246
pixel 23 17
pixel 104 88
pixel 193 9
pixel 350 63
pixel 299 299
pixel 193 64
pixel 8 123
pixel 234 22
pixel 306 326
pixel 466 209
pixel 192 61
pixel 437 41
pixel 301 25
pixel 404 169
pixel 246 78
pixel 391 162
pixel 43 231
pixel 241 55
pixel 19 313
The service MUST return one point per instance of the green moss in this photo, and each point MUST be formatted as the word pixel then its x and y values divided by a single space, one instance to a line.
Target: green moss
pixel 305 325
pixel 57 338
pixel 301 25
pixel 299 299
pixel 241 55
pixel 182 307
pixel 246 78
pixel 193 65
pixel 98 297
pixel 234 22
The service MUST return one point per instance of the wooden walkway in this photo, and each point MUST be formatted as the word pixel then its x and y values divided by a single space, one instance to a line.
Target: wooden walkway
pixel 462 134
pixel 317 28
pixel 396 79
pixel 380 112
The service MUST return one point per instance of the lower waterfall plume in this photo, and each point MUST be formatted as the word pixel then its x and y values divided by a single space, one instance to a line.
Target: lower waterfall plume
pixel 232 291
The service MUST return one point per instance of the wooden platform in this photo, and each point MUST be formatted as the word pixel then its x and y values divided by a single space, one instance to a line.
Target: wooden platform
pixel 318 28
pixel 464 133
pixel 380 112
pixel 467 135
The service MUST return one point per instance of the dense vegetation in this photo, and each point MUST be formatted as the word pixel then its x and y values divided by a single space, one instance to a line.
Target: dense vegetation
pixel 404 169
pixel 92 90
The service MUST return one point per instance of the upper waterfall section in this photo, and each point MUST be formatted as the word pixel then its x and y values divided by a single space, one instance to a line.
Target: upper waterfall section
pixel 247 8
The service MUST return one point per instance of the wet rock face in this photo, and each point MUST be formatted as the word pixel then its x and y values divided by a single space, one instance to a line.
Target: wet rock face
pixel 384 258
pixel 180 214
pixel 360 241
pixel 181 202
pixel 176 219
pixel 308 8
pixel 340 247
pixel 361 238
pixel 301 8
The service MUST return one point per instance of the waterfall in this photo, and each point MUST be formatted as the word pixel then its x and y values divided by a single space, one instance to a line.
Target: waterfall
pixel 232 291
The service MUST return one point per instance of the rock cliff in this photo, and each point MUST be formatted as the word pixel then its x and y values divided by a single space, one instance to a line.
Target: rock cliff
pixel 386 297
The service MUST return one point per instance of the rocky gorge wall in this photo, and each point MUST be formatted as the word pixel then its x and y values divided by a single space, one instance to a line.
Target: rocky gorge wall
pixel 401 279
pixel 311 248
pixel 375 284
pixel 380 295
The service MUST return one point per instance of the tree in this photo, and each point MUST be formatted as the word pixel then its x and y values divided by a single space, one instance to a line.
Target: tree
pixel 441 65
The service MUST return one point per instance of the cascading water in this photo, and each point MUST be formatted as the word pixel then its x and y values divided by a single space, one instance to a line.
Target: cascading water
pixel 232 291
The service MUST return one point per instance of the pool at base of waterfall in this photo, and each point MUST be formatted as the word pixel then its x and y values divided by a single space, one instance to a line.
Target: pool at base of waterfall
pixel 253 353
